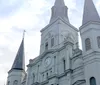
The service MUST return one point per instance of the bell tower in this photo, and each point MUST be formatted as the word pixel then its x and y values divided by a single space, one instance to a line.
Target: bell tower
pixel 17 72
pixel 59 10
pixel 59 27
pixel 90 35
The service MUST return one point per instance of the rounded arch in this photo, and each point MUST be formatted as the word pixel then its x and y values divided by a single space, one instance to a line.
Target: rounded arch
pixel 33 77
pixel 15 82
pixel 64 63
pixel 92 81
pixel 98 41
pixel 8 83
pixel 87 44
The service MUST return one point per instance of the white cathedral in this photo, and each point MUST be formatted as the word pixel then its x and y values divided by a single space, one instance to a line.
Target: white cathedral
pixel 60 61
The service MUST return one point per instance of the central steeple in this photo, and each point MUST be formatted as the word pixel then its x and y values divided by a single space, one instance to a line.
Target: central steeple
pixel 59 10
pixel 59 3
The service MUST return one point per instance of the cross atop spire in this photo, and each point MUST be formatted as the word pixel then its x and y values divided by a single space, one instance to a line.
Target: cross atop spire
pixel 59 10
pixel 90 12
pixel 19 62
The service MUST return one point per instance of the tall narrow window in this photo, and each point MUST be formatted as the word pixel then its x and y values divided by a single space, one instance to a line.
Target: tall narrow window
pixel 15 82
pixel 8 83
pixel 87 44
pixel 33 77
pixel 43 75
pixel 54 63
pixel 52 42
pixel 47 75
pixel 98 41
pixel 92 81
pixel 46 46
pixel 38 72
pixel 64 64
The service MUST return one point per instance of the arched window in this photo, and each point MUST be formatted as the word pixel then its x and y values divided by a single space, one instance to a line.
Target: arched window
pixel 8 83
pixel 52 42
pixel 46 46
pixel 47 75
pixel 54 63
pixel 15 82
pixel 92 81
pixel 33 77
pixel 87 44
pixel 64 64
pixel 43 75
pixel 98 41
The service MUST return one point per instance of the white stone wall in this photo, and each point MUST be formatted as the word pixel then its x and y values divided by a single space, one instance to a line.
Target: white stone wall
pixel 91 31
pixel 91 58
pixel 56 73
pixel 59 30
pixel 16 75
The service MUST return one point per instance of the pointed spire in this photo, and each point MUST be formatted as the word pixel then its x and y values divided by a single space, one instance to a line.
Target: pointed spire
pixel 90 12
pixel 59 3
pixel 19 62
pixel 59 10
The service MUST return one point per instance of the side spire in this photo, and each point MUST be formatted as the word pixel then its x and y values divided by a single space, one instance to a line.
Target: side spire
pixel 90 12
pixel 19 62
pixel 59 10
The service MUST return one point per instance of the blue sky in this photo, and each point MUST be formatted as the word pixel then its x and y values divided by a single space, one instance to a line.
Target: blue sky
pixel 32 16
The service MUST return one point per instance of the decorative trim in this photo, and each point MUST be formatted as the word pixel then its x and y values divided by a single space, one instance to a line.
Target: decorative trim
pixel 79 82
pixel 91 22
pixel 61 20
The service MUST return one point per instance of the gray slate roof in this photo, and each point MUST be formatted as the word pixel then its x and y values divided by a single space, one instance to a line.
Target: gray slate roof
pixel 59 3
pixel 19 62
pixel 59 10
pixel 90 12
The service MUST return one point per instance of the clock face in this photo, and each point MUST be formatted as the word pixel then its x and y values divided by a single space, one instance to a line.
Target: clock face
pixel 47 61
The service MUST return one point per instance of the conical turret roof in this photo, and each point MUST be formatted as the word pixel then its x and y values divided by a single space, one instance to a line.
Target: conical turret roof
pixel 90 12
pixel 19 62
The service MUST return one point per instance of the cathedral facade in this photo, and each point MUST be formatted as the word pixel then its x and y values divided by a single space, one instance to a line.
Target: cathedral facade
pixel 60 61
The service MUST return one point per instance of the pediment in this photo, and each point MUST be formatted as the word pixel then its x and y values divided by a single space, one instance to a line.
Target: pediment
pixel 79 82
pixel 36 83
pixel 55 21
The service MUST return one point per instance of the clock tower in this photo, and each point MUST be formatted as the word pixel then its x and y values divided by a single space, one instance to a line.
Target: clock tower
pixel 58 40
